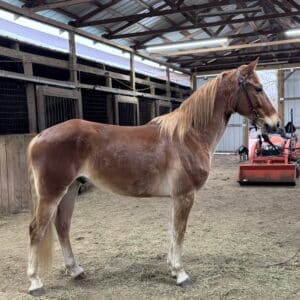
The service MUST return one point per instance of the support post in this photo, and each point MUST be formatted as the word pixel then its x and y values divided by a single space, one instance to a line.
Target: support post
pixel 72 58
pixel 168 83
pixel 132 72
pixel 30 94
pixel 280 78
pixel 246 133
pixel 73 70
pixel 133 87
pixel 194 82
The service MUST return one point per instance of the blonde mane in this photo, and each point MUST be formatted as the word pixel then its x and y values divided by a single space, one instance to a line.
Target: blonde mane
pixel 196 111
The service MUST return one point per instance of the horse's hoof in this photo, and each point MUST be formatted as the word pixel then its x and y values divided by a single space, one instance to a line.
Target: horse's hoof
pixel 186 284
pixel 80 276
pixel 37 292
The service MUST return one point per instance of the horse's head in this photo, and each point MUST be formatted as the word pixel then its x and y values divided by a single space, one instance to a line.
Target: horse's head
pixel 251 101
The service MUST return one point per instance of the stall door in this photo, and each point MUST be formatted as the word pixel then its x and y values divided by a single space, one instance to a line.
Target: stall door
pixel 126 110
pixel 163 107
pixel 56 105
pixel 147 110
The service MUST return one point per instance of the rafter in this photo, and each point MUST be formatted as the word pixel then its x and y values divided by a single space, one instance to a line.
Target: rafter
pixel 188 15
pixel 59 4
pixel 190 61
pixel 138 17
pixel 94 12
pixel 231 47
pixel 210 24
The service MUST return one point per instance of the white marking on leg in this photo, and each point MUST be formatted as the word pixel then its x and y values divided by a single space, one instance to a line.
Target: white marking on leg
pixel 32 270
pixel 181 277
pixel 69 259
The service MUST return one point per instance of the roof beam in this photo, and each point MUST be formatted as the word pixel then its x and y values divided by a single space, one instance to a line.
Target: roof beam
pixel 58 4
pixel 204 25
pixel 233 36
pixel 93 12
pixel 202 61
pixel 232 47
pixel 131 22
pixel 186 61
pixel 267 62
pixel 155 13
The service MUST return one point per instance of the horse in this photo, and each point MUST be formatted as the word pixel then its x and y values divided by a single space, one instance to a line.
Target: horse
pixel 168 157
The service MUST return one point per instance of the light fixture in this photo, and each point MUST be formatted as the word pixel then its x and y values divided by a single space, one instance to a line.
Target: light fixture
pixel 292 32
pixel 189 45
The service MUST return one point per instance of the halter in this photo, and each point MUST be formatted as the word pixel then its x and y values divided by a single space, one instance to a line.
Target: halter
pixel 242 87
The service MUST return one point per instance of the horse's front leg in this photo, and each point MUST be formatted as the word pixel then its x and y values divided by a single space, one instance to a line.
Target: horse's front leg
pixel 181 207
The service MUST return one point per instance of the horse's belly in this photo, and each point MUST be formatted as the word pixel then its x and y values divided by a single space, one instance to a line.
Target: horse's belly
pixel 142 185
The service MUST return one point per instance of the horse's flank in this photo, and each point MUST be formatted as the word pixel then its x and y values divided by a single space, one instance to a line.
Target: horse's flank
pixel 195 112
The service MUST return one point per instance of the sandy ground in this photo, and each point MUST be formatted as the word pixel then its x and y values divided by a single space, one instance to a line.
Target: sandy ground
pixel 234 233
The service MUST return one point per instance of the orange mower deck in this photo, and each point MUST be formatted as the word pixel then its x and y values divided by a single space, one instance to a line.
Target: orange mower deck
pixel 268 173
pixel 280 169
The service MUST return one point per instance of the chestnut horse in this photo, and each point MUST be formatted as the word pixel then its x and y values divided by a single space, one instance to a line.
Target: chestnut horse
pixel 169 156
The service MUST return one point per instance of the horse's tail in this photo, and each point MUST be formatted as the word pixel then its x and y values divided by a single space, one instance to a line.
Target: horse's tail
pixel 42 237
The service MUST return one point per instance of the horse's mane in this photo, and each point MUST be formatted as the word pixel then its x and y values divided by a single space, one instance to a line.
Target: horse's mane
pixel 196 111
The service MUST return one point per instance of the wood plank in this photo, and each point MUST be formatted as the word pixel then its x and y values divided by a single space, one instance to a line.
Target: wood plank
pixel 12 157
pixel 280 86
pixel 31 107
pixel 4 205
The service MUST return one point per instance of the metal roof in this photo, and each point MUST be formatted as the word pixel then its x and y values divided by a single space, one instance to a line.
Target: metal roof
pixel 138 23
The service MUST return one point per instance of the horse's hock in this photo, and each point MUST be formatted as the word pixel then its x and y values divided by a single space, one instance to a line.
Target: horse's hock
pixel 15 189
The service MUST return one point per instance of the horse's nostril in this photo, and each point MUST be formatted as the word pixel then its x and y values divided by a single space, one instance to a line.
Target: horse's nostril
pixel 278 124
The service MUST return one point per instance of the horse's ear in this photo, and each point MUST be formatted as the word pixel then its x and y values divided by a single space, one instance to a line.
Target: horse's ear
pixel 252 66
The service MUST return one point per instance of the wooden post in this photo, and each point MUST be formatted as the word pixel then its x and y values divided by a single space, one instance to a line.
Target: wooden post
pixel 168 83
pixel 280 78
pixel 133 87
pixel 72 58
pixel 246 133
pixel 73 71
pixel 30 93
pixel 132 72
pixel 194 82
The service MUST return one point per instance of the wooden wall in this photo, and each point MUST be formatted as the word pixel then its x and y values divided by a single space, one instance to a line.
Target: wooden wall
pixel 15 189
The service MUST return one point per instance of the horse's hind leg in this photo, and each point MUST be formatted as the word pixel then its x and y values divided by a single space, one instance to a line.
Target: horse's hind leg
pixel 63 224
pixel 181 208
pixel 40 252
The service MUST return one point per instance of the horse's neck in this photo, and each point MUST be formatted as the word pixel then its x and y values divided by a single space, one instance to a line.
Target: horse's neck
pixel 215 128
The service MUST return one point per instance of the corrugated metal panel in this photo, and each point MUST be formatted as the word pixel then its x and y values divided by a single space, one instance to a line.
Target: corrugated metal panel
pixel 292 90
pixel 233 135
pixel 291 85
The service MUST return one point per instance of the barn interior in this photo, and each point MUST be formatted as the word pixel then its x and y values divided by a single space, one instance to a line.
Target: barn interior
pixel 125 62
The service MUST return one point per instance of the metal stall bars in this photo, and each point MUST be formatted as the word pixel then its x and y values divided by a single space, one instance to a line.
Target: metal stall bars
pixel 56 105
pixel 13 107
pixel 126 110
pixel 163 107
pixel 97 106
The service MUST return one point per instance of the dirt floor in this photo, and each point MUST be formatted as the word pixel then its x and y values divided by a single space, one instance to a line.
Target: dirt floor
pixel 234 234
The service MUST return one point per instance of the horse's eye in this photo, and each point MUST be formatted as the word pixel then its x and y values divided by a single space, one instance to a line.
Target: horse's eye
pixel 259 89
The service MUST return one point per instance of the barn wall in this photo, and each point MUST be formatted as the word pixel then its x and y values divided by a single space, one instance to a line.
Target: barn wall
pixel 292 97
pixel 15 189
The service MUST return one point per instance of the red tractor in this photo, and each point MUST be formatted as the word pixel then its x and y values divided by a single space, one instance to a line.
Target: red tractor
pixel 274 158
